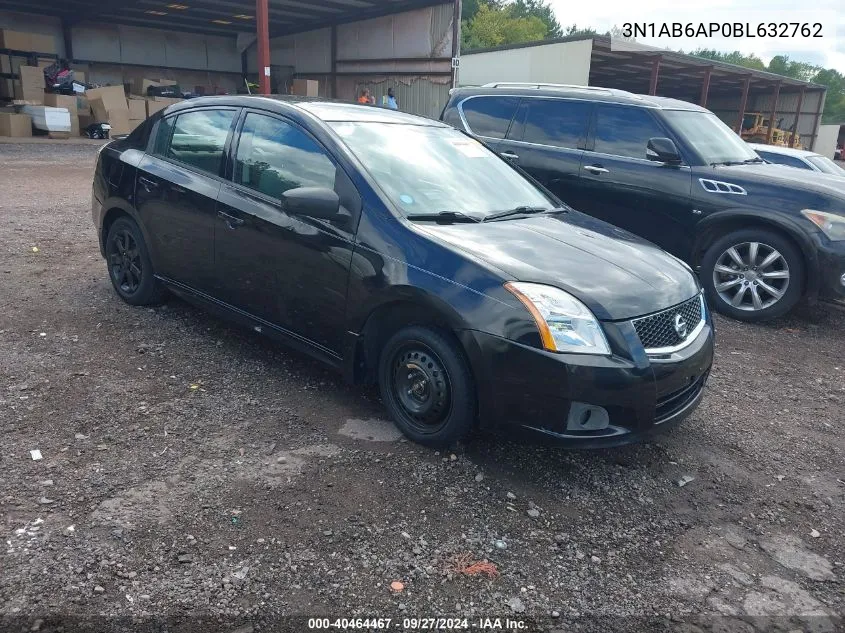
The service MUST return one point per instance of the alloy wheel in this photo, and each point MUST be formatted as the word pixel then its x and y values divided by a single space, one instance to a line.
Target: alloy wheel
pixel 421 387
pixel 125 262
pixel 751 276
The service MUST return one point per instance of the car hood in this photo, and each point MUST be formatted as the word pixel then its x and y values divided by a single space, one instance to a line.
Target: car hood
pixel 616 274
pixel 791 177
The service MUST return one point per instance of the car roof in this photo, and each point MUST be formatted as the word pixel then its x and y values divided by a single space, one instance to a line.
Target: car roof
pixel 328 110
pixel 786 151
pixel 589 93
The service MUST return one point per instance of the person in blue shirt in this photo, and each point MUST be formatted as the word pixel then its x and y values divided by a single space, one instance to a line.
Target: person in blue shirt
pixel 391 100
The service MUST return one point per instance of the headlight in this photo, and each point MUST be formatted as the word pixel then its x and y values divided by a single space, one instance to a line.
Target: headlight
pixel 831 224
pixel 565 324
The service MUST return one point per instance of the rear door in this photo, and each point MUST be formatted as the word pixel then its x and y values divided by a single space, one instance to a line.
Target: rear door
pixel 285 269
pixel 176 193
pixel 621 186
pixel 488 116
pixel 546 140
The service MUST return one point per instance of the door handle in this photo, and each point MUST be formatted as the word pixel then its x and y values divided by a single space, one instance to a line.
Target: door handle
pixel 595 169
pixel 509 156
pixel 148 183
pixel 231 220
pixel 177 189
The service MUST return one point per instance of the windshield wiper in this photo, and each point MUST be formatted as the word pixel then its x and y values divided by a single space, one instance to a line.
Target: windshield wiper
pixel 728 163
pixel 519 211
pixel 443 217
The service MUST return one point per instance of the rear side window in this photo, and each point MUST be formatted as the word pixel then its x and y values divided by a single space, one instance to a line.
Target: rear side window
pixel 489 116
pixel 199 138
pixel 625 131
pixel 555 122
pixel 274 156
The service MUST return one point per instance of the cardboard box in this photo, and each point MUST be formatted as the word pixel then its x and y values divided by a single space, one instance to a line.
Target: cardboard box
pixel 154 106
pixel 43 43
pixel 112 97
pixel 119 121
pixel 82 105
pixel 15 40
pixel 44 62
pixel 305 88
pixel 61 101
pixel 74 125
pixel 80 76
pixel 33 95
pixel 84 121
pixel 139 86
pixel 17 125
pixel 7 88
pixel 167 82
pixel 137 109
pixel 31 76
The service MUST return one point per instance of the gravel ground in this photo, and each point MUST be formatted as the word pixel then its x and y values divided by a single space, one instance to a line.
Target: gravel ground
pixel 192 470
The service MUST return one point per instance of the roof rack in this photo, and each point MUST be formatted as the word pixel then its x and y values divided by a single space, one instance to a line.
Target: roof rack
pixel 540 86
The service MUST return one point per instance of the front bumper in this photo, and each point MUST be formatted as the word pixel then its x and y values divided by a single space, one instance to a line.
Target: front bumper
pixel 831 256
pixel 534 390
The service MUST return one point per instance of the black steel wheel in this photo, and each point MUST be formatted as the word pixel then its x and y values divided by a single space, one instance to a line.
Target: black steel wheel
pixel 427 386
pixel 129 265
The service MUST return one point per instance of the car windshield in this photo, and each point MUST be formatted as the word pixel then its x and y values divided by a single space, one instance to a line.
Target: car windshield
pixel 714 141
pixel 429 170
pixel 826 165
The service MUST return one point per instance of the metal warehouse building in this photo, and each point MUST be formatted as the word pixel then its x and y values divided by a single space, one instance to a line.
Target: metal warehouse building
pixel 729 91
pixel 344 44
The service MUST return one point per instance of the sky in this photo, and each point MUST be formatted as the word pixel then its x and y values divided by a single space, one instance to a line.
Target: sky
pixel 827 51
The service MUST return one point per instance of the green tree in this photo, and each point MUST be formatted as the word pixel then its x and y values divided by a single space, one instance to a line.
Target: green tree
pixel 539 9
pixel 735 57
pixel 492 26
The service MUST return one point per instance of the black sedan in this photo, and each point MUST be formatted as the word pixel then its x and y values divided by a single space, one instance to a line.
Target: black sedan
pixel 405 253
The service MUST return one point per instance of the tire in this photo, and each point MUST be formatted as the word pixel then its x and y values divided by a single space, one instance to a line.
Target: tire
pixel 129 265
pixel 427 386
pixel 778 286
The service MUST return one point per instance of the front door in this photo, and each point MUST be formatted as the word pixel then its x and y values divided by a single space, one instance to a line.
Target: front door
pixel 621 186
pixel 176 194
pixel 288 270
pixel 545 139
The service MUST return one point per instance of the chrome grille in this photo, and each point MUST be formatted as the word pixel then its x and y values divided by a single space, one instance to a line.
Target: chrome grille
pixel 658 330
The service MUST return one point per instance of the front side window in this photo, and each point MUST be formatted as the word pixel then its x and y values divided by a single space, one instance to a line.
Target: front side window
pixel 826 165
pixel 782 159
pixel 489 116
pixel 556 122
pixel 709 137
pixel 428 169
pixel 274 156
pixel 625 131
pixel 199 138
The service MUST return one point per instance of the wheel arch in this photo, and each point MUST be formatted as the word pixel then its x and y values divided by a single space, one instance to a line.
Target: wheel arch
pixel 114 209
pixel 718 224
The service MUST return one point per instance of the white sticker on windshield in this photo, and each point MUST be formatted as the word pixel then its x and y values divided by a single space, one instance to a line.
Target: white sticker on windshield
pixel 469 147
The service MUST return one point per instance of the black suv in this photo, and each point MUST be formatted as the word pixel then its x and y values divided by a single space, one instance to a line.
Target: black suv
pixel 760 237
pixel 404 253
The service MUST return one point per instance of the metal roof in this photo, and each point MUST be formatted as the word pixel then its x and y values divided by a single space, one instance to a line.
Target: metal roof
pixel 216 17
pixel 628 66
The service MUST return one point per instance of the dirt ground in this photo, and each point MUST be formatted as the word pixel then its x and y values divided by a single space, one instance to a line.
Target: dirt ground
pixel 192 471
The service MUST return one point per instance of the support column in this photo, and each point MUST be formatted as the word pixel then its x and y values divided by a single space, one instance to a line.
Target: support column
pixel 774 112
pixel 68 36
pixel 456 41
pixel 822 96
pixel 797 117
pixel 334 63
pixel 705 87
pixel 655 74
pixel 745 86
pixel 262 23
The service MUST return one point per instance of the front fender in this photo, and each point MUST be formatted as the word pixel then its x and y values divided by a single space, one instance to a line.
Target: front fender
pixel 735 218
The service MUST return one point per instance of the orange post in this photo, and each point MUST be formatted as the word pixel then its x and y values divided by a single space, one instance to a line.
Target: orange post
pixel 262 24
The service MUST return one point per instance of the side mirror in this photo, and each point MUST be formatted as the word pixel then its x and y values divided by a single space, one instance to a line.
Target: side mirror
pixel 315 202
pixel 662 150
